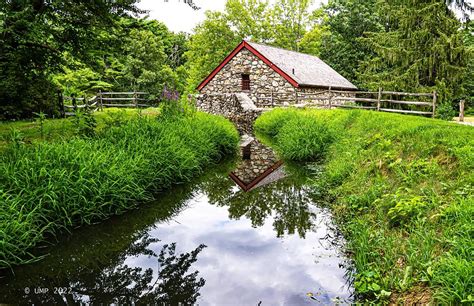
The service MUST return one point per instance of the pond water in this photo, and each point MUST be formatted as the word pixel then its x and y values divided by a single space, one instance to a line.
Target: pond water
pixel 254 237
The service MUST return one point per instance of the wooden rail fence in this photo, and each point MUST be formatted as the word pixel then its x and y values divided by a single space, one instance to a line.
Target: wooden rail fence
pixel 406 103
pixel 69 105
pixel 84 103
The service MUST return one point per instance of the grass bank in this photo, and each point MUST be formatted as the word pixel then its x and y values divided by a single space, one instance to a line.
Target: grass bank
pixel 401 189
pixel 51 187
pixel 59 129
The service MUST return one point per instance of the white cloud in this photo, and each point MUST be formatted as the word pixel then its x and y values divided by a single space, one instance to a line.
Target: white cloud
pixel 180 17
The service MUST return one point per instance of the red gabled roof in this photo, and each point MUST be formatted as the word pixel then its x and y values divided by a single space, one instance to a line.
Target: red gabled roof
pixel 247 46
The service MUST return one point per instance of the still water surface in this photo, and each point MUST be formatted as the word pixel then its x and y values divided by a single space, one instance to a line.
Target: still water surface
pixel 206 243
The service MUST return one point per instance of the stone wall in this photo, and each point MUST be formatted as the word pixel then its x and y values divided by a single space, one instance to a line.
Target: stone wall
pixel 235 107
pixel 263 80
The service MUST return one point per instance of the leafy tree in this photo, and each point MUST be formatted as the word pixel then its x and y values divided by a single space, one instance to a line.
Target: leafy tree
pixel 291 19
pixel 213 40
pixel 138 54
pixel 421 49
pixel 78 78
pixel 312 41
pixel 33 37
pixel 251 19
pixel 144 59
pixel 191 4
pixel 347 21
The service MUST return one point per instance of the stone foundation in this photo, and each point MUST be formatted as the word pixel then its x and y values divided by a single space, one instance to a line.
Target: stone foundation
pixel 235 107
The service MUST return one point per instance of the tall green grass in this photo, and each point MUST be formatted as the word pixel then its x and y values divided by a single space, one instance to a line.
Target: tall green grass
pixel 300 135
pixel 402 190
pixel 49 188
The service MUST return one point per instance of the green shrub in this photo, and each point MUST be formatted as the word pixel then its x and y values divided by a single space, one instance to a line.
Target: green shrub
pixel 84 122
pixel 51 187
pixel 445 111
pixel 406 209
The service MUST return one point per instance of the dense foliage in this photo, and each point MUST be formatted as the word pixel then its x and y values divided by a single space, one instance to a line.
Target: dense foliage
pixel 78 48
pixel 347 22
pixel 469 79
pixel 55 186
pixel 34 36
pixel 421 49
pixel 401 189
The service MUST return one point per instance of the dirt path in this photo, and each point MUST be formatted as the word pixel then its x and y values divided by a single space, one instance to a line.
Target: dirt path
pixel 467 121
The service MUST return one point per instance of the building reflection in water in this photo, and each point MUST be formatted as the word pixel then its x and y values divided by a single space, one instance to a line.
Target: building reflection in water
pixel 259 165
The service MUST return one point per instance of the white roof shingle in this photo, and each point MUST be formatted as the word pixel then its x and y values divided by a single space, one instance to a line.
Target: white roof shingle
pixel 308 70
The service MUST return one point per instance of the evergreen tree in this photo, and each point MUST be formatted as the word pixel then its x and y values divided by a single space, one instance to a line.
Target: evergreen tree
pixel 421 49
pixel 469 79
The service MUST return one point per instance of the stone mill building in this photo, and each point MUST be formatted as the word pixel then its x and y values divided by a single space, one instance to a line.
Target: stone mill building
pixel 255 76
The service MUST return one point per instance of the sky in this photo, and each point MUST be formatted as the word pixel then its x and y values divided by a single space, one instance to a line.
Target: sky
pixel 180 17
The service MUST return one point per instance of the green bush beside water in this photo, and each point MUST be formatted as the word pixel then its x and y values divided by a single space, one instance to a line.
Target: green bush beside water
pixel 401 189
pixel 48 188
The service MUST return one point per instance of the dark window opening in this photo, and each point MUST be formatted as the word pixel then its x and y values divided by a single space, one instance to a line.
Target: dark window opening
pixel 245 82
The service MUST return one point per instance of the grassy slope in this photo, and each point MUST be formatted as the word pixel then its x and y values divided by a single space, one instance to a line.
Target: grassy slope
pixel 50 187
pixel 402 190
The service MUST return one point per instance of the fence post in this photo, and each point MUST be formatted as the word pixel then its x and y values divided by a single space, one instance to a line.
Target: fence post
pixel 434 102
pixel 272 98
pixel 461 110
pixel 100 101
pixel 62 112
pixel 379 98
pixel 135 99
pixel 85 102
pixel 296 96
pixel 74 103
pixel 330 98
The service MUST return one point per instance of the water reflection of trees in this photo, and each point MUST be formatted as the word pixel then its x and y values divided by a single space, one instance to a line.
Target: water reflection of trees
pixel 288 202
pixel 123 284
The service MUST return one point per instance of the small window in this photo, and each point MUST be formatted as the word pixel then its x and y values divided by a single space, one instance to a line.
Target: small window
pixel 245 82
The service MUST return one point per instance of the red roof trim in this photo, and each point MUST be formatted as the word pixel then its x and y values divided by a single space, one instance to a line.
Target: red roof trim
pixel 242 45
pixel 247 187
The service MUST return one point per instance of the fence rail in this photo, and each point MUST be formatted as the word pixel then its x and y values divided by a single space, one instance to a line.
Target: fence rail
pixel 384 101
pixel 102 99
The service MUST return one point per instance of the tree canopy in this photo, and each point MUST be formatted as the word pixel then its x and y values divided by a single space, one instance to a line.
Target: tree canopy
pixel 420 49
pixel 79 48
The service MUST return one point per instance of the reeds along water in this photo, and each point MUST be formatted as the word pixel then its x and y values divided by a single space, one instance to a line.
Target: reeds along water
pixel 51 188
